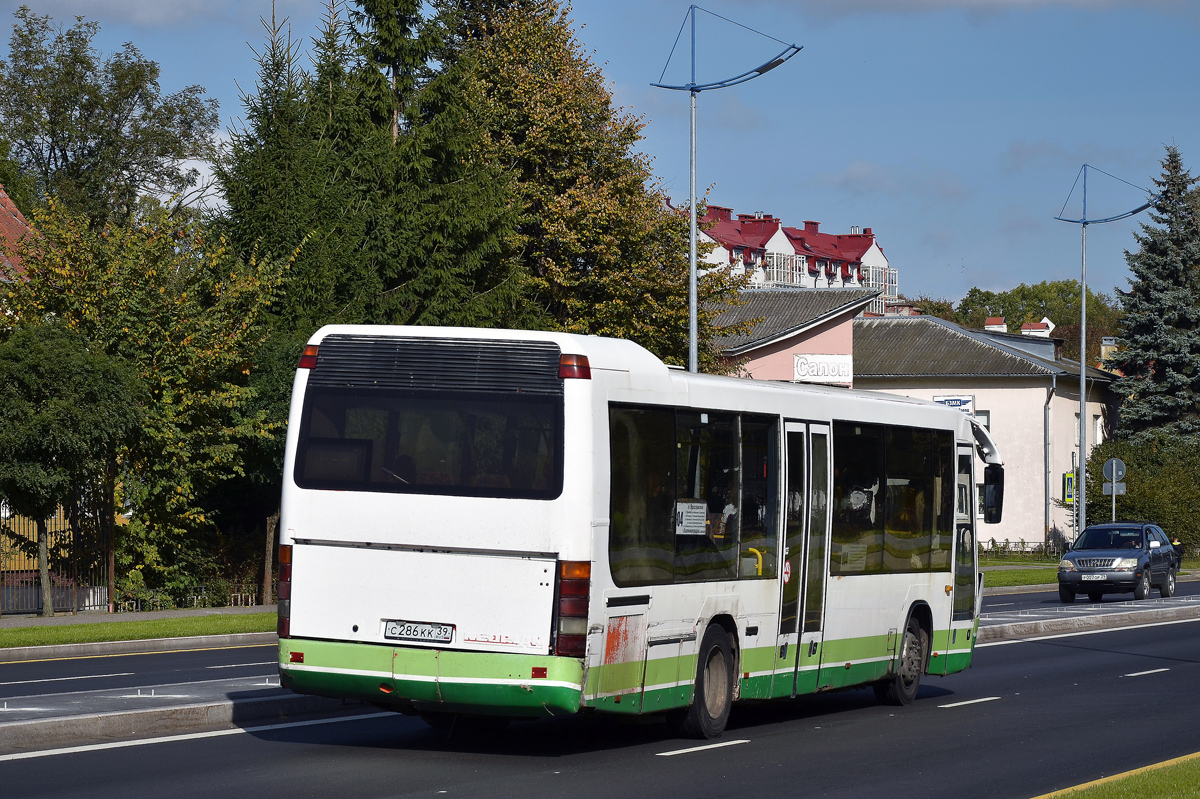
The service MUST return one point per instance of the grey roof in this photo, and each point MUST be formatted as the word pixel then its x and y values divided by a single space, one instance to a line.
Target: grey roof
pixel 786 312
pixel 925 346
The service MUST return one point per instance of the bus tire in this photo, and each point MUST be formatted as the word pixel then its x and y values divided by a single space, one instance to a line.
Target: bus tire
pixel 713 699
pixel 901 688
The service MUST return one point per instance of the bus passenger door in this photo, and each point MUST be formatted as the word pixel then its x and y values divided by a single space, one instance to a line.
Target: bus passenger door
pixel 966 567
pixel 802 584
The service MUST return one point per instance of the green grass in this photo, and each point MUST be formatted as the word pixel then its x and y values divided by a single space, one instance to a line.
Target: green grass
pixel 1177 781
pixel 133 630
pixel 1010 577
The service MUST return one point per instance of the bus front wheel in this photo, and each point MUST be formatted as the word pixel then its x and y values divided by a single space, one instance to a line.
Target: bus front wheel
pixel 709 711
pixel 901 688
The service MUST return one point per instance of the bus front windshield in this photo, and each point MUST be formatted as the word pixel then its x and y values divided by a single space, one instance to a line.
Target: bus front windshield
pixel 431 442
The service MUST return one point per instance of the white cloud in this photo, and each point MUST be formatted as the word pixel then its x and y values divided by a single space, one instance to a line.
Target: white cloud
pixel 861 178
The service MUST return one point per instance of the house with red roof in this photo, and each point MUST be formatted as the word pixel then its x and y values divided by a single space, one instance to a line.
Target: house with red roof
pixel 774 255
pixel 12 227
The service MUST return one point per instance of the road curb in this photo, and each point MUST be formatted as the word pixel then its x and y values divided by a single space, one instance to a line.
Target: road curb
pixel 61 731
pixel 19 654
pixel 1102 621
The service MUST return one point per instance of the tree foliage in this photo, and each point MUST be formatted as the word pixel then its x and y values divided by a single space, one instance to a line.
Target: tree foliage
pixel 1057 300
pixel 64 413
pixel 1159 342
pixel 1162 482
pixel 602 250
pixel 188 316
pixel 97 132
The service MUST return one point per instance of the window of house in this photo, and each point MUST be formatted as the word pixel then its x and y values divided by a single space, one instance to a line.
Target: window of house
pixel 984 418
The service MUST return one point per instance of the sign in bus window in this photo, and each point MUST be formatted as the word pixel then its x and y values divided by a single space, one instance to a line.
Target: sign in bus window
pixel 707 474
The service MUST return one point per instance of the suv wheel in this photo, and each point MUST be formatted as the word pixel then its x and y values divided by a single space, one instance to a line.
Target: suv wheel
pixel 1066 595
pixel 1168 586
pixel 1142 590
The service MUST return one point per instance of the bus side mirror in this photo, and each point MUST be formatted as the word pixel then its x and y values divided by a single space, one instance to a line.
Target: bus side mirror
pixel 993 493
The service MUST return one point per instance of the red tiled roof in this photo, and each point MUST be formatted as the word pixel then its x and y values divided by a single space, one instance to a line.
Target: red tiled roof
pixel 753 231
pixel 994 320
pixel 12 227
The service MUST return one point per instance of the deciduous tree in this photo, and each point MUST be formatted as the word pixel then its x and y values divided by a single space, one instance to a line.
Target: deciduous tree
pixel 97 132
pixel 188 316
pixel 604 252
pixel 64 413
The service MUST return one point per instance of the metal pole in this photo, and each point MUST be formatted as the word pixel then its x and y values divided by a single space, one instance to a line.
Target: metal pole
pixel 1081 491
pixel 693 348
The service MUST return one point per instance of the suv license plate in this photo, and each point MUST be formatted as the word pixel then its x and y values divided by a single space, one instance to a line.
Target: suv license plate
pixel 431 632
pixel 1092 577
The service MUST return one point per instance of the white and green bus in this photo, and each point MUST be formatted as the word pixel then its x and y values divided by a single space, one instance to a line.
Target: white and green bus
pixel 512 524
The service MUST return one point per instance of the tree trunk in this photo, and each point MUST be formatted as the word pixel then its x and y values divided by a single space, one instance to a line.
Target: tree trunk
pixel 269 557
pixel 44 568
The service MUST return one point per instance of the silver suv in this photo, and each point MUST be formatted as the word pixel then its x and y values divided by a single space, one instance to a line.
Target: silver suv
pixel 1118 558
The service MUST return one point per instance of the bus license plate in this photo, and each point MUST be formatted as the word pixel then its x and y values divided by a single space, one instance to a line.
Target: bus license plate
pixel 431 632
pixel 1092 577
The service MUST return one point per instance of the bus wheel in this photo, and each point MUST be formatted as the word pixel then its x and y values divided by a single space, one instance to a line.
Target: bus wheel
pixel 709 712
pixel 901 687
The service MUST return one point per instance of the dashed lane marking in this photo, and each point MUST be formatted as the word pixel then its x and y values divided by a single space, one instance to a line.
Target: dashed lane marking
pixel 971 701
pixel 691 749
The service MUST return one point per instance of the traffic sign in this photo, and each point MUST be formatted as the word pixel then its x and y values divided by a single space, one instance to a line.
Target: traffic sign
pixel 1114 470
pixel 1114 489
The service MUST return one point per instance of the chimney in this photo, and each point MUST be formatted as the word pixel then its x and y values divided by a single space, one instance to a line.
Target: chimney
pixel 811 227
pixel 867 232
pixel 1108 346
pixel 995 324
pixel 718 213
pixel 1041 329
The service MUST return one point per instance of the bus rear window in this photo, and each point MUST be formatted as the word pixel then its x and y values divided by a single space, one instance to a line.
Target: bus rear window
pixel 431 442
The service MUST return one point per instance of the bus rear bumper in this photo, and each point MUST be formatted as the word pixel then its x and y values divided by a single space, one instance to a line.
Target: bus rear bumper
pixel 413 679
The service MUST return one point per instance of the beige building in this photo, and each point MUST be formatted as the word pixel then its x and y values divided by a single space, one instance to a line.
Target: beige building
pixel 1019 385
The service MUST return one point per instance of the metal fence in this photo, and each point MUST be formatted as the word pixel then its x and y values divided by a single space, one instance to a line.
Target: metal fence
pixel 78 577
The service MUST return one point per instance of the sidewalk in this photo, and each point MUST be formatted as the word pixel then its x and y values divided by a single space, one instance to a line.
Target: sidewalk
pixel 97 617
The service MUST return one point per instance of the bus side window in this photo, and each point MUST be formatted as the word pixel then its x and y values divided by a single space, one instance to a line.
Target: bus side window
pixel 641 545
pixel 708 483
pixel 760 463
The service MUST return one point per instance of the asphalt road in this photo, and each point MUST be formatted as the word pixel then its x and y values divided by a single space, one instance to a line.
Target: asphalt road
pixel 1029 718
pixel 109 672
pixel 1049 599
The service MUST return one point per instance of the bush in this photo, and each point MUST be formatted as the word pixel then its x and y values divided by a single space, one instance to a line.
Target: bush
pixel 1162 485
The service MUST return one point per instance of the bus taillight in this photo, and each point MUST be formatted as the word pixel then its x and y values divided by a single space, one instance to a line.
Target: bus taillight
pixel 574 366
pixel 284 591
pixel 574 587
pixel 308 360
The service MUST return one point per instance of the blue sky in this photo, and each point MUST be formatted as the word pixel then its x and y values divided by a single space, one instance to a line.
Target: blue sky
pixel 954 128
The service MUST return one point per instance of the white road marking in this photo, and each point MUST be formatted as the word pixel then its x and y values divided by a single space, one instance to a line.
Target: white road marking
pixel 1144 673
pixel 1002 604
pixel 1084 632
pixel 70 750
pixel 700 748
pixel 59 679
pixel 971 701
pixel 239 665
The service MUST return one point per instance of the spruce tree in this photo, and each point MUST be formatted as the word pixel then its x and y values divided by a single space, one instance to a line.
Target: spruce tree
pixel 1159 352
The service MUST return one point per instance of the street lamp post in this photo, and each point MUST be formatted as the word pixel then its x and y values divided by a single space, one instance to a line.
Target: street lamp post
pixel 1081 484
pixel 694 89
